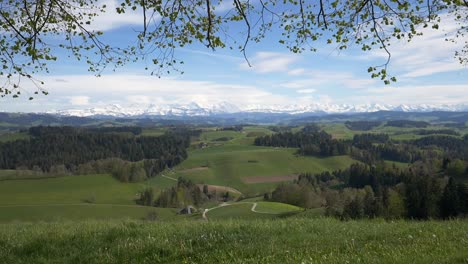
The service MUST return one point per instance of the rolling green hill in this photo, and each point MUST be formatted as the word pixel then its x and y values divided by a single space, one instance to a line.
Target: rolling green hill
pixel 251 210
pixel 235 165
pixel 77 197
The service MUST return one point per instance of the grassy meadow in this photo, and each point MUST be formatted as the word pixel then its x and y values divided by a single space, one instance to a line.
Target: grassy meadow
pixel 76 198
pixel 298 240
pixel 101 189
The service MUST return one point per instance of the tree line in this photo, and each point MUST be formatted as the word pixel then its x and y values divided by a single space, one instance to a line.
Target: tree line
pixel 407 123
pixel 75 149
pixel 309 143
pixel 362 125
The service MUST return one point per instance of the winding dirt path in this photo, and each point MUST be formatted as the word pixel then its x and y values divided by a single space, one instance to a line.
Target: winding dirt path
pixel 167 177
pixel 253 208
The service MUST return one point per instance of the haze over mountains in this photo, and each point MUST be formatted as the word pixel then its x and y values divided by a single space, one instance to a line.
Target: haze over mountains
pixel 195 109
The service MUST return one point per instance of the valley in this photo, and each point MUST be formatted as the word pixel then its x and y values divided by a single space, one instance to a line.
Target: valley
pixel 245 185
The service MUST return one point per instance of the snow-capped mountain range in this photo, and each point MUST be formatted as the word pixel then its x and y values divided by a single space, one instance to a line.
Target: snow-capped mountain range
pixel 195 109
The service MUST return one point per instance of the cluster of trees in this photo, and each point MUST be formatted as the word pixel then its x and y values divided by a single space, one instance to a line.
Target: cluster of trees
pixel 406 153
pixel 120 129
pixel 280 129
pixel 452 146
pixel 407 123
pixel 368 139
pixel 362 125
pixel 460 125
pixel 457 168
pixel 237 128
pixel 309 143
pixel 420 191
pixel 75 150
pixel 221 139
pixel 185 193
pixel 370 148
pixel 437 131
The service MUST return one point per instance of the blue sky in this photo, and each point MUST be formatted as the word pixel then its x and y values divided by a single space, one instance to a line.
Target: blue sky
pixel 426 69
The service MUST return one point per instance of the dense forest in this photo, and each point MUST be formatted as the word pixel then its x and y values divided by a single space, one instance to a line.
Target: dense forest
pixel 309 143
pixel 407 123
pixel 362 125
pixel 73 150
pixel 421 191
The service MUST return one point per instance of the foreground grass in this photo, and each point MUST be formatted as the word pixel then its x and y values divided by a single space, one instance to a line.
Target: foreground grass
pixel 263 241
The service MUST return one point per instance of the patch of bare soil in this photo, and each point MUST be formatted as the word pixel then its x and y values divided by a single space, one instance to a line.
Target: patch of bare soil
pixel 262 179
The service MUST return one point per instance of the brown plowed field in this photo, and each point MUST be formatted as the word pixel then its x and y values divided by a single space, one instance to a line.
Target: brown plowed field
pixel 262 179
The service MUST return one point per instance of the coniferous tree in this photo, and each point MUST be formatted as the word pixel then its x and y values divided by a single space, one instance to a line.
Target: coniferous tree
pixel 450 201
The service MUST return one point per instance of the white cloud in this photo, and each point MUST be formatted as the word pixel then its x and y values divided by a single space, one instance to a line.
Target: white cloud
pixel 79 100
pixel 297 84
pixel 418 94
pixel 143 89
pixel 318 78
pixel 111 19
pixel 306 91
pixel 139 99
pixel 345 79
pixel 271 62
pixel 297 72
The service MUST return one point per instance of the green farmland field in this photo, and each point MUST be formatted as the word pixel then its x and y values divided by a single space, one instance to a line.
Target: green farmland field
pixel 276 208
pixel 102 189
pixel 227 165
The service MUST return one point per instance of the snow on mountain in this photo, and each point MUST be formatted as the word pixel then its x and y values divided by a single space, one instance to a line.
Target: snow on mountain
pixel 195 109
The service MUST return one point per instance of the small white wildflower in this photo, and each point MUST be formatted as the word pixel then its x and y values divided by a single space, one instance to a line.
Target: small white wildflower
pixel 410 236
pixel 434 236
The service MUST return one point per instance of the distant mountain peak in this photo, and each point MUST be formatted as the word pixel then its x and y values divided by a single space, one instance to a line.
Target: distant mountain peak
pixel 196 109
